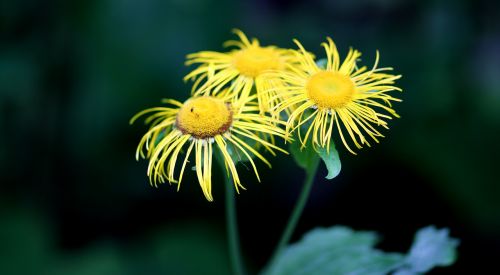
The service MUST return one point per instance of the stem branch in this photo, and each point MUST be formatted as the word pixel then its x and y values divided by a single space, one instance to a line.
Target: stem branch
pixel 297 211
pixel 232 226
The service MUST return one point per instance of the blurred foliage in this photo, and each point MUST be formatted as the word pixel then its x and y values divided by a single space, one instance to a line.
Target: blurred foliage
pixel 183 248
pixel 72 73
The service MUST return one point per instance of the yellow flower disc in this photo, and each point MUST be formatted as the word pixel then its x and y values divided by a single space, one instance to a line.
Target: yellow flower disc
pixel 204 117
pixel 330 89
pixel 253 61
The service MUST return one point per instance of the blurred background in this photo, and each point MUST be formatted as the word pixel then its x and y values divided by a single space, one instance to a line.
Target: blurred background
pixel 73 200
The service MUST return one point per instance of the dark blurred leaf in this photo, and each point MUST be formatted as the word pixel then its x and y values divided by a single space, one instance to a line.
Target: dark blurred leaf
pixel 194 248
pixel 100 259
pixel 305 157
pixel 25 242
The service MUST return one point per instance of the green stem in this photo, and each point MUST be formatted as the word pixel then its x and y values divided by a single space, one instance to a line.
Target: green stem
pixel 232 225
pixel 297 211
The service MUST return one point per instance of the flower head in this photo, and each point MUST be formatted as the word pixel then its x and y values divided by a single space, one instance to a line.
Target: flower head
pixel 205 124
pixel 242 67
pixel 341 94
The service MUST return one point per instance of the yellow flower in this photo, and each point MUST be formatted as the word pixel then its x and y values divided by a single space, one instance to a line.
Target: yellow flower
pixel 242 68
pixel 343 94
pixel 205 124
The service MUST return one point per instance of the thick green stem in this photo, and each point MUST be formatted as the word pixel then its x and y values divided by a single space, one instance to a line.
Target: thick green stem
pixel 297 211
pixel 232 226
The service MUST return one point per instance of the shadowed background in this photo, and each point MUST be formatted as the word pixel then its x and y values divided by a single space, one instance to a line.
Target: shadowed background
pixel 73 200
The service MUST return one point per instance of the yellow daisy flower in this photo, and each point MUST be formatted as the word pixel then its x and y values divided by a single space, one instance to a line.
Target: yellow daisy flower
pixel 205 124
pixel 343 94
pixel 242 68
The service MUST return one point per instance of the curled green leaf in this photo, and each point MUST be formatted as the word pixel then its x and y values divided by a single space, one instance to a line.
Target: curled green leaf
pixel 331 159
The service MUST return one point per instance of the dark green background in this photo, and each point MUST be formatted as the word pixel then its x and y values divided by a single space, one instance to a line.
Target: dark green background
pixel 74 201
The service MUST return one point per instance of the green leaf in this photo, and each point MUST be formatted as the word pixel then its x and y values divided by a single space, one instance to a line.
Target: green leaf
pixel 431 248
pixel 336 250
pixel 304 158
pixel 331 159
pixel 341 250
pixel 307 156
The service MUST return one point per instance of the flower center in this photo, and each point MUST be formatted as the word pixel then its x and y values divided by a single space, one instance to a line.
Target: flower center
pixel 330 89
pixel 253 61
pixel 204 117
